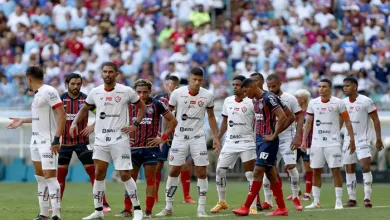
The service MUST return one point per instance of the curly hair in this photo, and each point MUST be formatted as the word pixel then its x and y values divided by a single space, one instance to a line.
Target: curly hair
pixel 143 82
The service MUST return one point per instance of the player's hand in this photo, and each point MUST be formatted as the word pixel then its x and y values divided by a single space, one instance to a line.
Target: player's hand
pixel 16 122
pixel 55 149
pixel 129 129
pixel 296 143
pixel 352 147
pixel 304 146
pixel 73 130
pixel 132 141
pixel 156 141
pixel 87 131
pixel 216 145
pixel 379 145
pixel 269 137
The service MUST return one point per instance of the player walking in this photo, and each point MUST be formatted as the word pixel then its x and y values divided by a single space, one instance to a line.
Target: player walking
pixel 326 112
pixel 172 83
pixel 238 113
pixel 289 141
pixel 145 142
pixel 73 100
pixel 303 97
pixel 360 109
pixel 48 123
pixel 267 110
pixel 191 103
pixel 111 135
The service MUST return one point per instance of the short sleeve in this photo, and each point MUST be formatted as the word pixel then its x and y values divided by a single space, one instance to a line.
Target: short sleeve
pixel 342 107
pixel 162 109
pixel 273 102
pixel 224 108
pixel 53 98
pixel 174 98
pixel 309 109
pixel 295 107
pixel 133 97
pixel 211 102
pixel 370 106
pixel 279 101
pixel 90 98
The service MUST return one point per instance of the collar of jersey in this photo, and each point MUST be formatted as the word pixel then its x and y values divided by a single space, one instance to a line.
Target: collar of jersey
pixel 108 90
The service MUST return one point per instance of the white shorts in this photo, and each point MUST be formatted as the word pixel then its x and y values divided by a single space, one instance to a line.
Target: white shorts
pixel 289 157
pixel 228 159
pixel 42 153
pixel 360 153
pixel 120 154
pixel 332 156
pixel 181 149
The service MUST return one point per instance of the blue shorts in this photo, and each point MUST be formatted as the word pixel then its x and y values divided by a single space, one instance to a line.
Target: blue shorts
pixel 144 156
pixel 304 155
pixel 164 152
pixel 266 151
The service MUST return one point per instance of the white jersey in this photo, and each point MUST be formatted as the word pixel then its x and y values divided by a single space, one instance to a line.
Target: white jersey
pixel 190 112
pixel 112 112
pixel 240 134
pixel 292 103
pixel 44 121
pixel 326 121
pixel 359 111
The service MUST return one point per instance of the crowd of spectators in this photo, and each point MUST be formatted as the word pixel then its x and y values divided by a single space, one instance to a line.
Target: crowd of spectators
pixel 300 40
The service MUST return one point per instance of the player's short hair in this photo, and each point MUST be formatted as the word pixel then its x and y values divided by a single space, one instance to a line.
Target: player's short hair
pixel 143 82
pixel 258 74
pixel 197 71
pixel 73 76
pixel 273 77
pixel 112 64
pixel 240 77
pixel 303 93
pixel 327 81
pixel 351 79
pixel 247 82
pixel 174 79
pixel 35 72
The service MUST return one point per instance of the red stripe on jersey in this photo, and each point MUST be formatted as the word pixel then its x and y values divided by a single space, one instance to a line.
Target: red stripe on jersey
pixel 373 111
pixel 57 105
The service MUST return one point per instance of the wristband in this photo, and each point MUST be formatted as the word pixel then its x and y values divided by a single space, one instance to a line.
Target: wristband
pixel 136 123
pixel 164 137
pixel 56 141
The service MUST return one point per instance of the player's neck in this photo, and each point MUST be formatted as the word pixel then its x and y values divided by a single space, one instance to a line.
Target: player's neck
pixel 325 99
pixel 239 98
pixel 259 93
pixel 193 92
pixel 35 86
pixel 353 97
pixel 109 87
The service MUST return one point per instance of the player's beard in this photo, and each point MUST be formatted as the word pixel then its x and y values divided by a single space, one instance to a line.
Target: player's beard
pixel 75 92
pixel 108 81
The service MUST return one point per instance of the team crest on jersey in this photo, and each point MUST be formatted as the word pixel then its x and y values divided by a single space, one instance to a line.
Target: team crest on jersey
pixel 357 108
pixel 118 99
pixel 244 109
pixel 330 108
pixel 200 103
pixel 261 105
pixel 149 110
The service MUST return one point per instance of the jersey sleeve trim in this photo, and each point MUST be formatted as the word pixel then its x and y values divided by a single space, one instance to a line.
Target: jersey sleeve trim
pixel 225 116
pixel 88 103
pixel 373 111
pixel 276 107
pixel 210 107
pixel 136 101
pixel 310 113
pixel 172 106
pixel 57 105
pixel 166 112
pixel 300 111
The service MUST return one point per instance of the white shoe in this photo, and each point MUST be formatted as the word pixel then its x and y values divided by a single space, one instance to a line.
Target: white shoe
pixel 314 205
pixel 138 215
pixel 98 215
pixel 201 214
pixel 339 205
pixel 164 212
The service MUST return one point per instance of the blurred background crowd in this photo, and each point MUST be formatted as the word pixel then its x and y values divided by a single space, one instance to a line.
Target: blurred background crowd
pixel 300 40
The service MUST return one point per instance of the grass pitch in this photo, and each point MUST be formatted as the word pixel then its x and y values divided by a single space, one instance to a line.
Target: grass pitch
pixel 18 201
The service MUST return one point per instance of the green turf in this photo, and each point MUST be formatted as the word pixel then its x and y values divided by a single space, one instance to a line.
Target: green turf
pixel 18 201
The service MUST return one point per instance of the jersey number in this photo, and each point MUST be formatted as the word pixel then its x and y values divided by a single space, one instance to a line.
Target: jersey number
pixel 263 155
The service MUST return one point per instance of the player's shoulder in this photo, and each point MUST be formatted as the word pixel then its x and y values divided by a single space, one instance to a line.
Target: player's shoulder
pixel 229 99
pixel 122 88
pixel 65 95
pixel 46 88
pixel 288 96
pixel 180 90
pixel 160 95
pixel 206 92
pixel 83 95
pixel 98 89
pixel 334 99
pixel 315 100
pixel 364 98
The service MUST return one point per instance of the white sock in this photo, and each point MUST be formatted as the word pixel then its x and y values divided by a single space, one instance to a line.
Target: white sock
pixel 98 193
pixel 267 190
pixel 351 185
pixel 367 179
pixel 54 193
pixel 43 196
pixel 131 189
pixel 294 181
pixel 249 177
pixel 221 183
pixel 203 185
pixel 339 193
pixel 170 190
pixel 316 193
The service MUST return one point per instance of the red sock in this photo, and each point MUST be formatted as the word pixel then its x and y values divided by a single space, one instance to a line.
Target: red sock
pixel 158 180
pixel 309 181
pixel 256 186
pixel 280 180
pixel 91 173
pixel 185 176
pixel 128 205
pixel 61 177
pixel 278 194
pixel 149 203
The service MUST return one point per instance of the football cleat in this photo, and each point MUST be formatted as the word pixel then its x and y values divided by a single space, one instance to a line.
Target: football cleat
pixel 290 197
pixel 41 217
pixel 201 214
pixel 188 199
pixel 148 214
pixel 241 211
pixel 297 204
pixel 367 203
pixel 222 205
pixel 313 205
pixel 278 212
pixel 339 205
pixel 266 206
pixel 96 215
pixel 253 210
pixel 138 215
pixel 306 197
pixel 55 218
pixel 124 214
pixel 106 208
pixel 350 203
pixel 164 212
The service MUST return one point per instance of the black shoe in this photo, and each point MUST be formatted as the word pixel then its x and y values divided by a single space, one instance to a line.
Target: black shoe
pixel 259 208
pixel 41 217
pixel 55 218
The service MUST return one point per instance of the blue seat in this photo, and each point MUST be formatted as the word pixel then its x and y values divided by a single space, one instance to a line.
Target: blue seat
pixel 30 174
pixel 16 171
pixel 78 173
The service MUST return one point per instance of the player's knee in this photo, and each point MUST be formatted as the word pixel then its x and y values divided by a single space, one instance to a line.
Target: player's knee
pixel 365 168
pixel 221 172
pixel 290 166
pixel 100 174
pixel 249 175
pixel 175 171
pixel 125 175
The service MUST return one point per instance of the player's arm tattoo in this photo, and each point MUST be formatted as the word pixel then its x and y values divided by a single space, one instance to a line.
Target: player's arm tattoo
pixel 223 127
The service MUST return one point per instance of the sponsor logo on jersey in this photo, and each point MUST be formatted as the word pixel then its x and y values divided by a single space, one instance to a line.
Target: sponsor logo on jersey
pixel 35 119
pixel 144 121
pixel 35 133
pixel 109 130
pixel 149 110
pixel 259 116
pixel 182 129
pixel 200 103
pixel 107 103
pixel 47 155
pixel 184 117
pixel 236 109
pixel 52 96
pixel 70 117
pixel 192 102
pixel 103 115
pixel 117 99
pixel 43 142
pixel 125 156
pixel 235 136
pixel 231 124
pixel 108 138
pixel 203 153
pixel 174 150
pixel 323 131
pixel 108 99
pixel 318 123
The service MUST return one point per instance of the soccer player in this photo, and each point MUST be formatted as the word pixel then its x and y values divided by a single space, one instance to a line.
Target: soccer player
pixel 267 110
pixel 146 141
pixel 172 83
pixel 48 123
pixel 360 109
pixel 111 135
pixel 238 121
pixel 73 100
pixel 303 97
pixel 289 141
pixel 326 112
pixel 191 103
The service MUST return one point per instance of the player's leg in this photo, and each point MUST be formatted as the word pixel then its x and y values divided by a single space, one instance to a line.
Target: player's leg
pixel 150 174
pixel 127 211
pixel 289 158
pixel 308 176
pixel 162 157
pixel 248 159
pixel 317 162
pixel 267 204
pixel 364 156
pixel 349 160
pixel 185 178
pixel 64 157
pixel 333 156
pixel 277 192
pixel 43 191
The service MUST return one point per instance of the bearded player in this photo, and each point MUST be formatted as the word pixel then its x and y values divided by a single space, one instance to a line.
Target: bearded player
pixel 172 83
pixel 360 109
